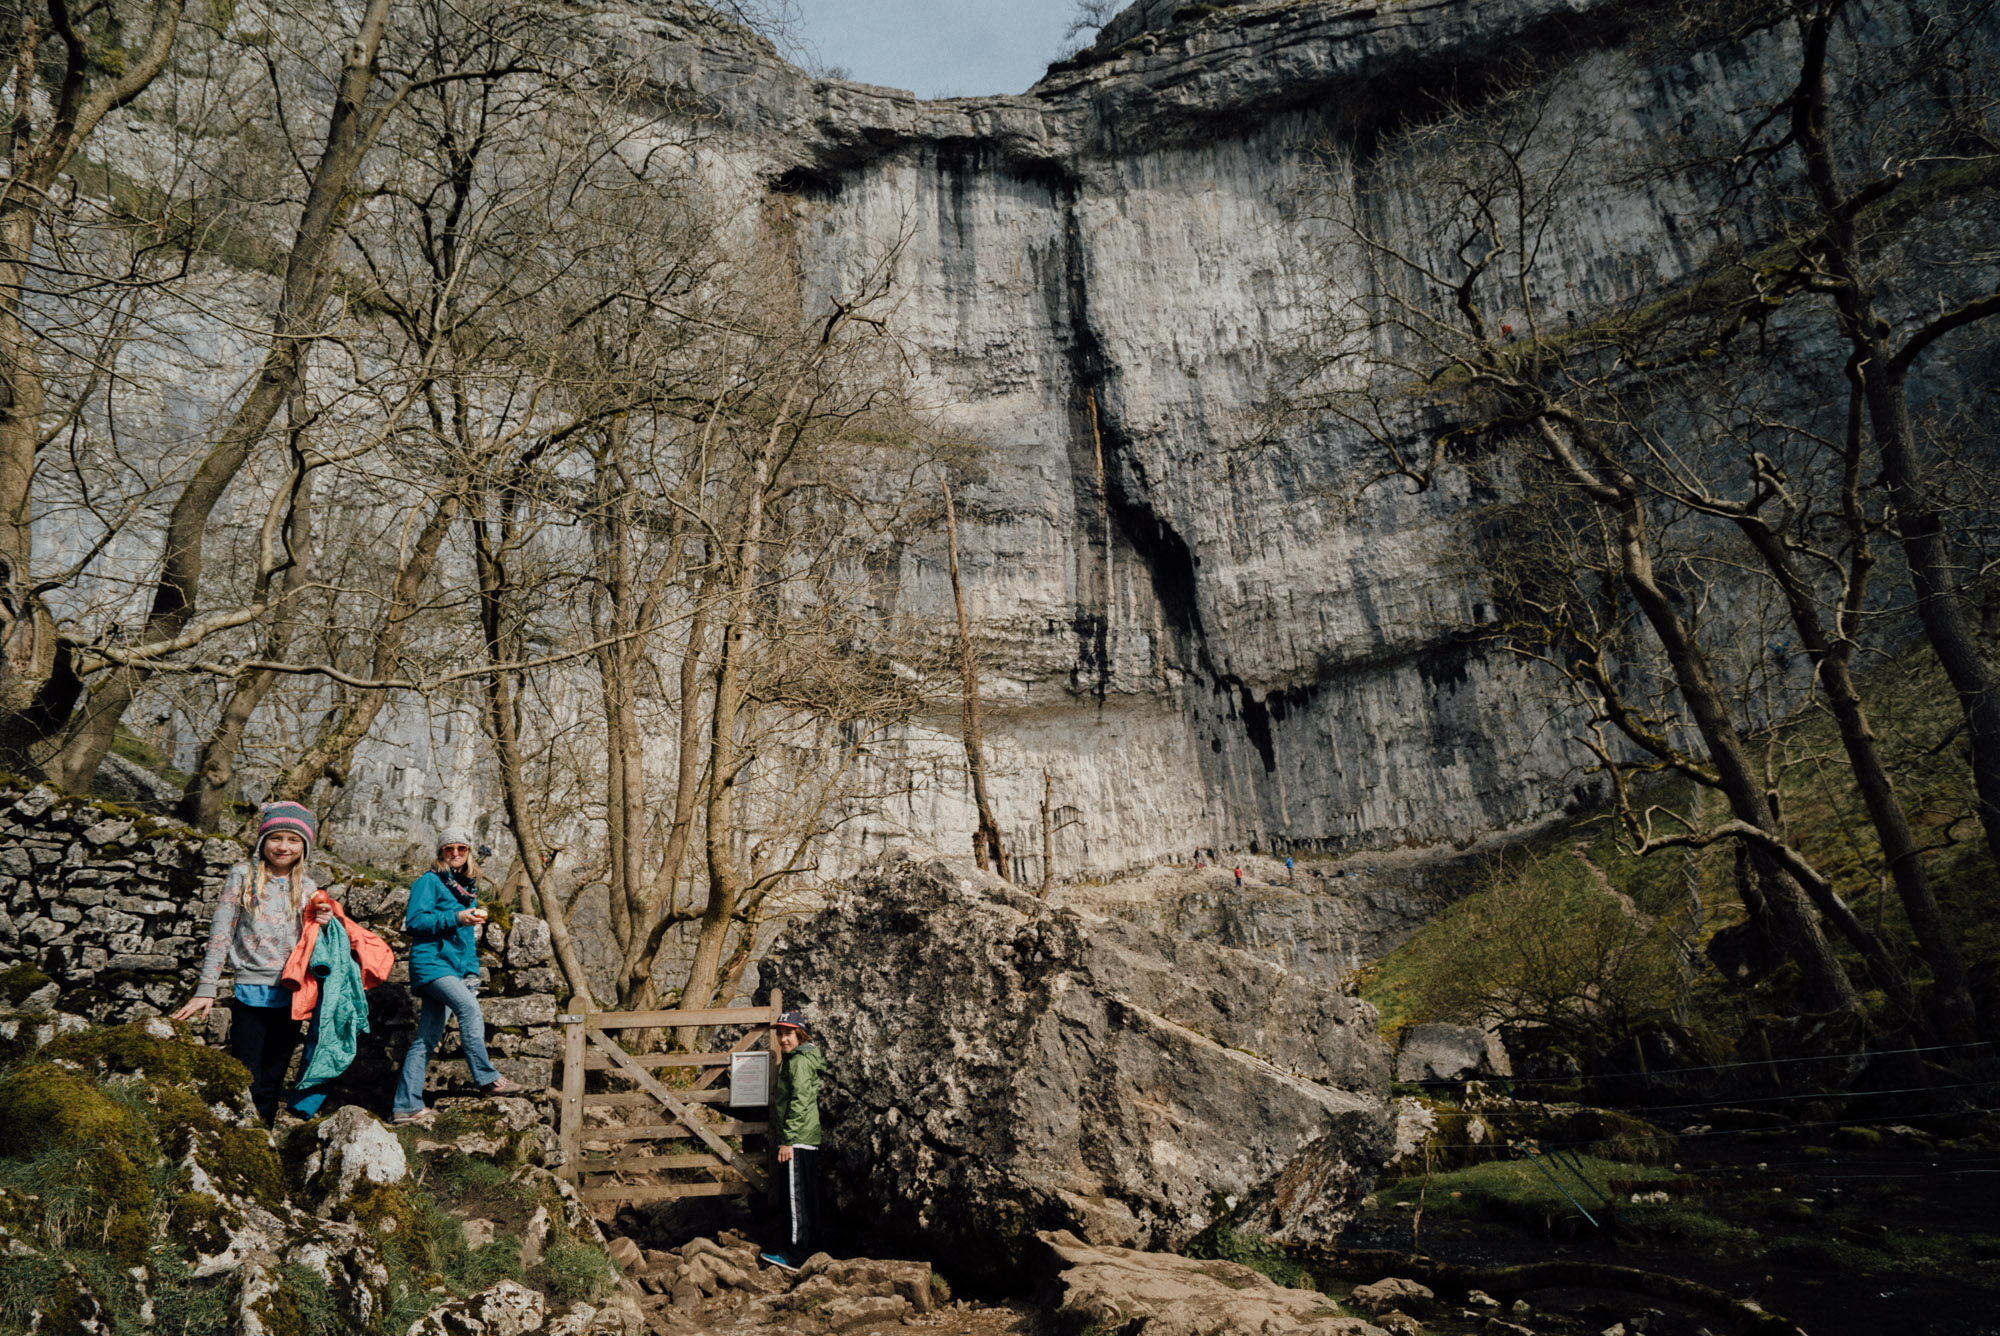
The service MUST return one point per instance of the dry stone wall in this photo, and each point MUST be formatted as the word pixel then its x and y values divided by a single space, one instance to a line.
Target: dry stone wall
pixel 104 914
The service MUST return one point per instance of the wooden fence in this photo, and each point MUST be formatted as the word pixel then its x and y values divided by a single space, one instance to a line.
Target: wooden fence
pixel 599 1159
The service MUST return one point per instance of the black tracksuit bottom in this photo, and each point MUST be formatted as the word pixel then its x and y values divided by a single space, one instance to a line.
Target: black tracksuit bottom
pixel 799 1180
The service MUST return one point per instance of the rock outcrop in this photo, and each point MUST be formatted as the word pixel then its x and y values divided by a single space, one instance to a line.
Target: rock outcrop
pixel 1118 1289
pixel 1441 1052
pixel 136 1189
pixel 998 1067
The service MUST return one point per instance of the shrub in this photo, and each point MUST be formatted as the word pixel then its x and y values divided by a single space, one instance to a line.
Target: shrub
pixel 1546 945
pixel 1220 1242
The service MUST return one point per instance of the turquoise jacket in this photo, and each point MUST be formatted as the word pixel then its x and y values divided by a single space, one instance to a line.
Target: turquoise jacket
pixel 440 946
pixel 343 1006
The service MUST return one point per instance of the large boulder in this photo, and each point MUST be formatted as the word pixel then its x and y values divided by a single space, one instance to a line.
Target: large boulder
pixel 1441 1052
pixel 998 1067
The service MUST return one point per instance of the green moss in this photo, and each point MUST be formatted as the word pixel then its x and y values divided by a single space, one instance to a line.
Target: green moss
pixel 202 1222
pixel 47 1111
pixel 499 915
pixel 1513 1191
pixel 213 1075
pixel 21 980
pixel 1222 1243
pixel 390 1213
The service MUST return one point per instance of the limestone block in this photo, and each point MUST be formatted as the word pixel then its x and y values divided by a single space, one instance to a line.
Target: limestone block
pixel 528 943
pixel 534 1009
pixel 32 804
pixel 507 1309
pixel 107 832
pixel 1030 1025
pixel 1397 1293
pixel 1184 1296
pixel 354 1148
pixel 144 962
pixel 1441 1052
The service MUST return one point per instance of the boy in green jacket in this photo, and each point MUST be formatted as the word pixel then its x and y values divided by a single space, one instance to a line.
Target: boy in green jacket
pixel 795 1122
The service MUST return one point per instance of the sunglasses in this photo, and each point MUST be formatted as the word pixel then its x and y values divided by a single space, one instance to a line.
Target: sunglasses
pixel 456 849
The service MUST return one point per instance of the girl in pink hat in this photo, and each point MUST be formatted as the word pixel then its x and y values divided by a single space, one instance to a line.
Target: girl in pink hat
pixel 256 924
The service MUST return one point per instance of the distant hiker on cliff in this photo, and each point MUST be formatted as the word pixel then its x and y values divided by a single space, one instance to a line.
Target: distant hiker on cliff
pixel 795 1123
pixel 256 925
pixel 1239 878
pixel 443 921
pixel 1288 870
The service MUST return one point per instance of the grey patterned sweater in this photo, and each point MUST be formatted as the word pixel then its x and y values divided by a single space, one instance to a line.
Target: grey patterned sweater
pixel 256 943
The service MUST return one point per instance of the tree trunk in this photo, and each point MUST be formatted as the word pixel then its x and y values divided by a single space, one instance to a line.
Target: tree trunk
pixel 638 992
pixel 493 592
pixel 1882 373
pixel 724 884
pixel 39 685
pixel 207 792
pixel 1957 1021
pixel 329 201
pixel 1791 913
pixel 1826 982
pixel 332 752
pixel 986 839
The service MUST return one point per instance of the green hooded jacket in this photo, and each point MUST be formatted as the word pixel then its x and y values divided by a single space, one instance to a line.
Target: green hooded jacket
pixel 795 1098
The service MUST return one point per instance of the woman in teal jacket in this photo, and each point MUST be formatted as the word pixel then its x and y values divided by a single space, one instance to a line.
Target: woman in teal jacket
pixel 443 921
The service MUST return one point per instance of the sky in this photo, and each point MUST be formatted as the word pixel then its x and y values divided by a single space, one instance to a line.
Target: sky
pixel 938 48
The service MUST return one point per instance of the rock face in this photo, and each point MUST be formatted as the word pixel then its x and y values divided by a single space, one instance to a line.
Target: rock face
pixel 999 1067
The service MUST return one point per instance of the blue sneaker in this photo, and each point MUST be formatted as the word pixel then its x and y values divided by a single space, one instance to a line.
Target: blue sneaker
pixel 779 1260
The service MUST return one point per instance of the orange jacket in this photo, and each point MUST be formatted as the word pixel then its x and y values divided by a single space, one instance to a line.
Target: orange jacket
pixel 370 952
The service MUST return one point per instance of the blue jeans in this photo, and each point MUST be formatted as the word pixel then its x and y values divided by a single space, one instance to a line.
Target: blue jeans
pixel 443 997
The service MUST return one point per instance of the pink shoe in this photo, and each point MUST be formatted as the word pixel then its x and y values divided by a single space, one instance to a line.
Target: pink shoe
pixel 501 1087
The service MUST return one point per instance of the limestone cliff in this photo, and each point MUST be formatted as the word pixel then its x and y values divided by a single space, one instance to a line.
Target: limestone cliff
pixel 1203 634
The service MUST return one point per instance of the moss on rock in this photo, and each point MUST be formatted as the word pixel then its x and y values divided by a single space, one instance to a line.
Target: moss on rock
pixel 212 1074
pixel 16 983
pixel 45 1108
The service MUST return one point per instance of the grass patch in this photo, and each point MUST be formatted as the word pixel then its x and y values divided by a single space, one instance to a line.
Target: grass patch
pixel 575 1272
pixel 1513 1191
pixel 1221 1243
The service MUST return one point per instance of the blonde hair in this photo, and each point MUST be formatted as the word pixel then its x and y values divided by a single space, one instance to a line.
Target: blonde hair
pixel 472 868
pixel 253 889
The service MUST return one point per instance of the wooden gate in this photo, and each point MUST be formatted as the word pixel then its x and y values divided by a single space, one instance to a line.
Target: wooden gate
pixel 593 1154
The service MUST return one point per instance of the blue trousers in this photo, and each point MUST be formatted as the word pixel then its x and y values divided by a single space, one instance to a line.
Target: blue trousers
pixel 442 999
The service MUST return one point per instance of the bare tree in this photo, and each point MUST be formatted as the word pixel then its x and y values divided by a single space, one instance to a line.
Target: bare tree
pixel 1659 412
pixel 986 839
pixel 39 679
